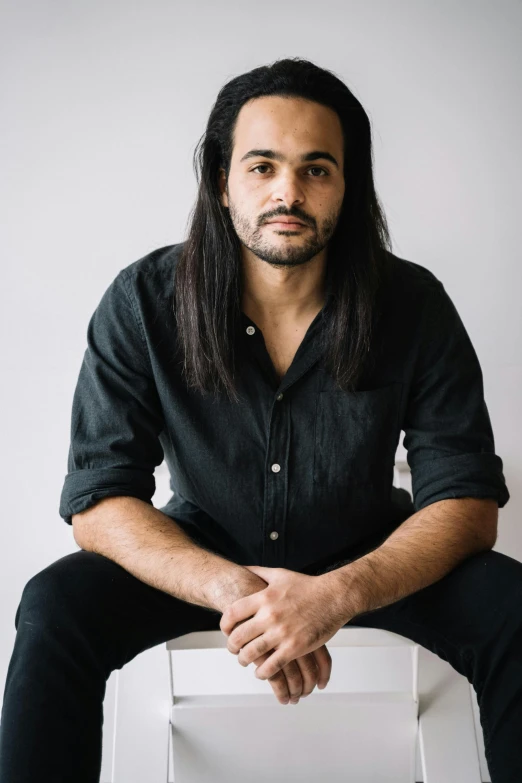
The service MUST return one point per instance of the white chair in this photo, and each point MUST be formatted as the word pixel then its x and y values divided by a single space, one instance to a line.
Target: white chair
pixel 392 712
pixel 388 699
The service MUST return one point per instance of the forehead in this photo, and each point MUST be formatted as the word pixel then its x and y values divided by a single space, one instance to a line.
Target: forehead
pixel 285 124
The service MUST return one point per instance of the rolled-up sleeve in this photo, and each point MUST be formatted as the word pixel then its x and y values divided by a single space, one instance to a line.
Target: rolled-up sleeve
pixel 116 413
pixel 448 434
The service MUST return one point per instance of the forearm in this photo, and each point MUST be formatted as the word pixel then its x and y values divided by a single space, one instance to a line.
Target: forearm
pixel 422 550
pixel 152 547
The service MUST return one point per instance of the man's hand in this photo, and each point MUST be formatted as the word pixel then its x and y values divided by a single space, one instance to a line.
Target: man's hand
pixel 298 678
pixel 292 617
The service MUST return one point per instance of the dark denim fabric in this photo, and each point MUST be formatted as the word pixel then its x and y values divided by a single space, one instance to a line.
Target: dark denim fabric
pixel 298 474
pixel 84 616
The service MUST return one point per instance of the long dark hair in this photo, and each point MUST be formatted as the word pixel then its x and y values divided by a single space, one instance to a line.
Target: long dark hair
pixel 207 291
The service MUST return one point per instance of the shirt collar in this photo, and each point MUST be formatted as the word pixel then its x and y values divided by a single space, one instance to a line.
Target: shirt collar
pixel 328 299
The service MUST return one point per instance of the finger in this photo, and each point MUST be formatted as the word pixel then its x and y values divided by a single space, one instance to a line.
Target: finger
pixel 324 662
pixel 241 609
pixel 278 683
pixel 279 658
pixel 294 679
pixel 309 668
pixel 262 642
pixel 247 633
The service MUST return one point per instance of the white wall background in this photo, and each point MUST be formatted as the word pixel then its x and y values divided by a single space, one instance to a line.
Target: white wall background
pixel 102 105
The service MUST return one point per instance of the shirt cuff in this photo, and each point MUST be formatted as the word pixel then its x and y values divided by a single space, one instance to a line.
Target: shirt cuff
pixel 83 488
pixel 462 475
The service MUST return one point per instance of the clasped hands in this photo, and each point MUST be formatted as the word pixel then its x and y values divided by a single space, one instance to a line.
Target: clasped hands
pixel 284 628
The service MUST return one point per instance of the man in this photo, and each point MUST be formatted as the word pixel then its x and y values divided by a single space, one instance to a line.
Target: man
pixel 273 359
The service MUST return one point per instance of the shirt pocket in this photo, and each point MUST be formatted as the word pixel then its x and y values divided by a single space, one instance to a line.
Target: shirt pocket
pixel 356 437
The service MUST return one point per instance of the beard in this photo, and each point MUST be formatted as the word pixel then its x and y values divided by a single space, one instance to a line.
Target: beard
pixel 277 250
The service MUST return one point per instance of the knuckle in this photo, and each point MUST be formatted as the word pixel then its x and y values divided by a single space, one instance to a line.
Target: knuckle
pixel 295 682
pixel 261 647
pixel 293 672
pixel 278 684
pixel 271 617
pixel 310 664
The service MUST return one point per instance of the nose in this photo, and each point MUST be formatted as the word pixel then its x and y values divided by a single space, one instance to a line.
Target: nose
pixel 287 191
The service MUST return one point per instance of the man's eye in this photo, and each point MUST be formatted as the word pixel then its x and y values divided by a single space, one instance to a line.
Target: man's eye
pixel 312 168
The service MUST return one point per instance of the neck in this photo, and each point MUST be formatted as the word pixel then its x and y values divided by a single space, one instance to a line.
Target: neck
pixel 290 293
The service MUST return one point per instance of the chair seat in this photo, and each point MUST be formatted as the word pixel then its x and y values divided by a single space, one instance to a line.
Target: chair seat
pixel 352 636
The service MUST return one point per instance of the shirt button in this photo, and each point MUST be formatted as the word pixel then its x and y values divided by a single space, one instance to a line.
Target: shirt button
pixel 250 330
pixel 279 396
pixel 274 535
pixel 276 468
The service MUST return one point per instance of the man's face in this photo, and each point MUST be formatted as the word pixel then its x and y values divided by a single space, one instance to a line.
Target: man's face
pixel 261 188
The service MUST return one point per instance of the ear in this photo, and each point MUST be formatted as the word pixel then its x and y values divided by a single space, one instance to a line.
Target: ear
pixel 222 183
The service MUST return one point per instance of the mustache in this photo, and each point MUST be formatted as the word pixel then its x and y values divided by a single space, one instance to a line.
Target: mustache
pixel 297 216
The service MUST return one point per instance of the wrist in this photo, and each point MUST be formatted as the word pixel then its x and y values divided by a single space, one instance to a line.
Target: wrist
pixel 234 585
pixel 343 592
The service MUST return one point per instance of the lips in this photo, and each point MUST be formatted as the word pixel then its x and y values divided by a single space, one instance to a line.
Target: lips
pixel 287 222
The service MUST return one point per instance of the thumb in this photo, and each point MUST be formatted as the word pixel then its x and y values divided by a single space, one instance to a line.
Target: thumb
pixel 262 571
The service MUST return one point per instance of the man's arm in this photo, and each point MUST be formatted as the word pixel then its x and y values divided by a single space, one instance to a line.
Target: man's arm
pixel 153 548
pixel 422 550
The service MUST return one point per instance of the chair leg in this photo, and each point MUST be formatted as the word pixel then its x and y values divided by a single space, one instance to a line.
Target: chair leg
pixel 142 719
pixel 447 738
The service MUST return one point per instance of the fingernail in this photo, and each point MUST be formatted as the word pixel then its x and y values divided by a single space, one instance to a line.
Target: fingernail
pixel 294 701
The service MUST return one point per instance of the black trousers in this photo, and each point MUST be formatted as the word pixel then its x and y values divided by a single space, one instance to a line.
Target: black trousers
pixel 84 616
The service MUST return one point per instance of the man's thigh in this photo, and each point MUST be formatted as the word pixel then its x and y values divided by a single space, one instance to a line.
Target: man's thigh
pixel 461 616
pixel 96 602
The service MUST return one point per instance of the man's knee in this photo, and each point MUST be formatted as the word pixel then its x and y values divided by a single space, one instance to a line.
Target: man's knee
pixel 72 583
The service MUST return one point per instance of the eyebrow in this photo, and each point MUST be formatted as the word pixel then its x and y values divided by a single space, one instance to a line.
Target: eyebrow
pixel 315 155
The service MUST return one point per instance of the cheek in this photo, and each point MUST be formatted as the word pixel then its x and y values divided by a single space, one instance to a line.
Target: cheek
pixel 247 197
pixel 335 206
pixel 326 206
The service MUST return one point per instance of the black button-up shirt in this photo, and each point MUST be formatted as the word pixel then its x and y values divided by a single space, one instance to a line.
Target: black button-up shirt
pixel 298 474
